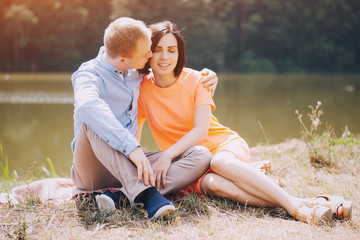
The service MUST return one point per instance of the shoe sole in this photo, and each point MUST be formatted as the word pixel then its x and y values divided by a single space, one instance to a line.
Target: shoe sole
pixel 323 215
pixel 163 212
pixel 105 204
pixel 347 205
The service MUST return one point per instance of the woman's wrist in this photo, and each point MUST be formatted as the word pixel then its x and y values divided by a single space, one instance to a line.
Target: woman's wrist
pixel 169 154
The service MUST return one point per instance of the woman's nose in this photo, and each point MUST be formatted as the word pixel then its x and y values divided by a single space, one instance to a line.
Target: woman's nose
pixel 163 55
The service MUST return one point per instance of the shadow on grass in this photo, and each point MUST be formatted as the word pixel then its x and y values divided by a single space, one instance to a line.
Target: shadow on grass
pixel 195 204
pixel 191 207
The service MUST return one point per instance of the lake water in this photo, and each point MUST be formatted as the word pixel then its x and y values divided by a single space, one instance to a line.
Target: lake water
pixel 36 112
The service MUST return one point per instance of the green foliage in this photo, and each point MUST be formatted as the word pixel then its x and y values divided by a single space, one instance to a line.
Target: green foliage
pixel 288 66
pixel 252 63
pixel 225 35
pixel 63 33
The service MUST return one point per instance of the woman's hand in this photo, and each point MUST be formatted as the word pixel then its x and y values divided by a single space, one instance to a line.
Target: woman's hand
pixel 160 168
pixel 210 79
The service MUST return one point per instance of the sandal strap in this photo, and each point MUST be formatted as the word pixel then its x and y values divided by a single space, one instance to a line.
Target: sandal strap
pixel 307 215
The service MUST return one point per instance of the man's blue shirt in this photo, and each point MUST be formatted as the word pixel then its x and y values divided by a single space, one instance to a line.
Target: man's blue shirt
pixel 106 102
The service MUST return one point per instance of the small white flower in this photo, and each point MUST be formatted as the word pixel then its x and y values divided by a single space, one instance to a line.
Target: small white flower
pixel 318 103
pixel 316 122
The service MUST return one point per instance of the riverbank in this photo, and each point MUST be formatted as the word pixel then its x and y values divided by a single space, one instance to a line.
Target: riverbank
pixel 200 217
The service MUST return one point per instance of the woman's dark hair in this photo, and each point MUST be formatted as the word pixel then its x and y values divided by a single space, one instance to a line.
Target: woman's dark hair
pixel 158 30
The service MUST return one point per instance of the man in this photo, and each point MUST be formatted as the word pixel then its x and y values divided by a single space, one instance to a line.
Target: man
pixel 106 152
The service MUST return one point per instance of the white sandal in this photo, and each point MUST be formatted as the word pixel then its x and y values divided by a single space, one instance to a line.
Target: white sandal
pixel 340 208
pixel 312 215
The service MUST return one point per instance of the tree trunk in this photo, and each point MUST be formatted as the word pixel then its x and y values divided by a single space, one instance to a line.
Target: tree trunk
pixel 242 31
pixel 16 51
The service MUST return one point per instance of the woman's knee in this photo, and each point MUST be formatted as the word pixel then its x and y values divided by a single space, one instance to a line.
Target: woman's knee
pixel 210 184
pixel 220 160
pixel 225 161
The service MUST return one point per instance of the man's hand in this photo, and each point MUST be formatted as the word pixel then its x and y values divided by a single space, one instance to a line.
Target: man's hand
pixel 210 79
pixel 161 167
pixel 143 166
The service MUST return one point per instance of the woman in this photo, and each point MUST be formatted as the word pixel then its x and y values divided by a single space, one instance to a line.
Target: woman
pixel 178 109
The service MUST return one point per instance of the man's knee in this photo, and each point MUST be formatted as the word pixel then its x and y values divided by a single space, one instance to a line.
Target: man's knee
pixel 201 154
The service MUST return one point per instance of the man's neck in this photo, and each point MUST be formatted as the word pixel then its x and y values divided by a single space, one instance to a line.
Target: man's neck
pixel 115 63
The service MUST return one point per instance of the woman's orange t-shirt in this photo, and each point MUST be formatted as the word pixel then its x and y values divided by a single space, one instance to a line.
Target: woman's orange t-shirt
pixel 170 111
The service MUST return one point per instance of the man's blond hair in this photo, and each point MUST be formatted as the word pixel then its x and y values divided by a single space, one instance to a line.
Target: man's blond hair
pixel 122 35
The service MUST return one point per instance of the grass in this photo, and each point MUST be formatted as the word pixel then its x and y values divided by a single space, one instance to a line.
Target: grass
pixel 52 172
pixel 4 163
pixel 199 217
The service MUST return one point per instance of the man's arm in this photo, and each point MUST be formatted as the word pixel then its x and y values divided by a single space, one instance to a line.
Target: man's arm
pixel 96 113
pixel 210 79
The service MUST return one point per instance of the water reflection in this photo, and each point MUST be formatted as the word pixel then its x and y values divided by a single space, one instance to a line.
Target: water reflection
pixel 36 116
pixel 33 132
pixel 56 92
pixel 272 100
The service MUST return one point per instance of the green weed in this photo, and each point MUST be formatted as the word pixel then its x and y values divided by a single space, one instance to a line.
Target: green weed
pixel 4 163
pixel 21 230
pixel 32 199
pixel 323 147
pixel 52 172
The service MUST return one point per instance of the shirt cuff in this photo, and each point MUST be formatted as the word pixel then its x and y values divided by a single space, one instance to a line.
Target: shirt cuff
pixel 128 146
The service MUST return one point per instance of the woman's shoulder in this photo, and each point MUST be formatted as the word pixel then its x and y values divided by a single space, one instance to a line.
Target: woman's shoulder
pixel 191 73
pixel 190 76
pixel 190 79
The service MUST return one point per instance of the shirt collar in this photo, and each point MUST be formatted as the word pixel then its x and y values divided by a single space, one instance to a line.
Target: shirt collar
pixel 110 67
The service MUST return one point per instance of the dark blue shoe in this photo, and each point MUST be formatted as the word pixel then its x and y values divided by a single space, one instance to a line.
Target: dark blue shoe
pixel 158 207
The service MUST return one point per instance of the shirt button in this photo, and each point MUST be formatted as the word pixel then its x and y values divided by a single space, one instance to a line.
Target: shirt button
pixel 124 151
pixel 116 71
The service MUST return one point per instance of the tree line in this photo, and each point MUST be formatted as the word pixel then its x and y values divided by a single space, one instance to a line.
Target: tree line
pixel 225 35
